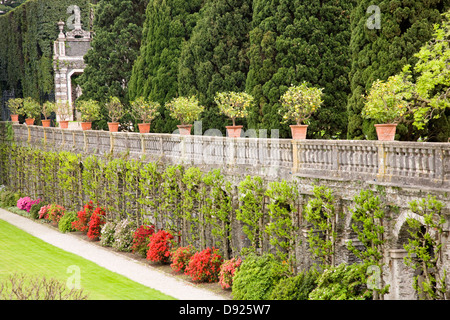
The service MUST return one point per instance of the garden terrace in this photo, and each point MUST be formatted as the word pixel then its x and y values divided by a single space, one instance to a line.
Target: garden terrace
pixel 396 163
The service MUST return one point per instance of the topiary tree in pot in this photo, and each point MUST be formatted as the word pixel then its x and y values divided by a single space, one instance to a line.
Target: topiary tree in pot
pixel 186 110
pixel 298 103
pixel 234 105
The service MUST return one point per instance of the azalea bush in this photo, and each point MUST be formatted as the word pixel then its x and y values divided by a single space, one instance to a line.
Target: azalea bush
pixel 107 233
pixel 83 217
pixel 55 212
pixel 181 257
pixel 65 223
pixel 25 203
pixel 234 104
pixel 123 235
pixel 95 223
pixel 160 247
pixel 204 266
pixel 298 103
pixel 145 110
pixel 227 271
pixel 387 101
pixel 185 109
pixel 141 239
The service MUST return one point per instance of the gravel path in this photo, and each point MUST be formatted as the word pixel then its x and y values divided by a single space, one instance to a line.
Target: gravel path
pixel 125 266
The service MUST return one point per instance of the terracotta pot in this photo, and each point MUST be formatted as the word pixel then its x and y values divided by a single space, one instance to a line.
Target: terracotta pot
pixel 299 132
pixel 113 126
pixel 185 130
pixel 86 125
pixel 234 131
pixel 386 132
pixel 64 124
pixel 46 123
pixel 144 127
pixel 15 118
pixel 29 121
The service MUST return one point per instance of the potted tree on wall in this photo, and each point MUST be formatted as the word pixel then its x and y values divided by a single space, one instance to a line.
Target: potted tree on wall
pixel 90 111
pixel 234 105
pixel 186 110
pixel 32 110
pixel 298 104
pixel 115 112
pixel 15 108
pixel 146 111
pixel 47 109
pixel 387 104
pixel 64 111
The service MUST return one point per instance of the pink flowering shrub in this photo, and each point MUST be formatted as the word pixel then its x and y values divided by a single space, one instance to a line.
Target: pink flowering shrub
pixel 25 203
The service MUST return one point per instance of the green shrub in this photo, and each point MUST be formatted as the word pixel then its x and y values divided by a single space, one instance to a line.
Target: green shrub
pixel 65 223
pixel 18 211
pixel 257 277
pixel 9 198
pixel 34 211
pixel 296 288
pixel 344 282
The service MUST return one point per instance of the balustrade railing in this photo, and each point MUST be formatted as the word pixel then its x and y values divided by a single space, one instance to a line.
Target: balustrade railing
pixel 399 163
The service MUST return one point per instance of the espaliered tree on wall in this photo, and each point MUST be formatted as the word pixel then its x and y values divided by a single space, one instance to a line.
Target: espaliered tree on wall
pixel 296 41
pixel 154 76
pixel 26 45
pixel 382 42
pixel 215 57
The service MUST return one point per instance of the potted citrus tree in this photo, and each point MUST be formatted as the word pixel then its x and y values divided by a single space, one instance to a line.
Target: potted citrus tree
pixel 15 108
pixel 47 109
pixel 387 104
pixel 90 111
pixel 186 110
pixel 146 111
pixel 64 110
pixel 298 103
pixel 115 112
pixel 32 110
pixel 234 105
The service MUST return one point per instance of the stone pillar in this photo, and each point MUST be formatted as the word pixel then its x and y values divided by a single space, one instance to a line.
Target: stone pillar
pixel 400 277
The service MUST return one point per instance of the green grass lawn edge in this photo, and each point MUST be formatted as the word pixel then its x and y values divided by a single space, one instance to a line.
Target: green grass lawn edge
pixel 23 253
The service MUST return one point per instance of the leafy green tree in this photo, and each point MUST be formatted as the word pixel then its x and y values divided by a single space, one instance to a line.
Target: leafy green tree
pixel 115 46
pixel 168 23
pixel 380 49
pixel 292 41
pixel 215 57
pixel 8 5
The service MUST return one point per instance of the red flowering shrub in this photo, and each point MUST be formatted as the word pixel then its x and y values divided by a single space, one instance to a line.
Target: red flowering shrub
pixel 141 239
pixel 83 217
pixel 55 212
pixel 227 271
pixel 204 266
pixel 160 246
pixel 181 257
pixel 95 223
pixel 43 212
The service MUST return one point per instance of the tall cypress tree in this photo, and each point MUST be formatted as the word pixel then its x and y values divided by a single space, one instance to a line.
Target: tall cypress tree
pixel 155 73
pixel 381 51
pixel 294 41
pixel 215 57
pixel 115 46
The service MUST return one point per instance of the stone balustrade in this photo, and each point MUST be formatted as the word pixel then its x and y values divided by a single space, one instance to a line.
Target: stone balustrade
pixel 396 163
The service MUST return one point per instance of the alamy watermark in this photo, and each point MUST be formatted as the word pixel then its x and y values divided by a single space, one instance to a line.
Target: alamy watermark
pixel 74 281
pixel 374 21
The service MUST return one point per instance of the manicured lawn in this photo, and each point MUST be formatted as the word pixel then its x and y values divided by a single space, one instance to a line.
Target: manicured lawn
pixel 21 252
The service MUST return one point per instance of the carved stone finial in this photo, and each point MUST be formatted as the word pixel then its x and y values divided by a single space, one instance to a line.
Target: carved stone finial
pixel 61 30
